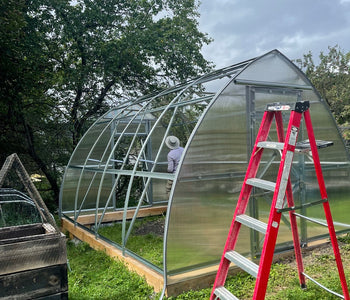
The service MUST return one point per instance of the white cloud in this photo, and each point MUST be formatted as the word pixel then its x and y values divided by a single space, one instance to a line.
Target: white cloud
pixel 245 29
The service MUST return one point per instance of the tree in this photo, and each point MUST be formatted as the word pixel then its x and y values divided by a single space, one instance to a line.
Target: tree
pixel 67 62
pixel 25 76
pixel 331 77
pixel 114 49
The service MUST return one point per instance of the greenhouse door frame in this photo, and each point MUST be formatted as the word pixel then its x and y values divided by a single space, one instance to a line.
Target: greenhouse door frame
pixel 253 118
pixel 147 157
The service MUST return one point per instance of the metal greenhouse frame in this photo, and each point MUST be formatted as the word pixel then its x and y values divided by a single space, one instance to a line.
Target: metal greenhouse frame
pixel 118 171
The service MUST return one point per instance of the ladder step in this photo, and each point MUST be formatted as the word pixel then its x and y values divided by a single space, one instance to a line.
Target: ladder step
pixel 252 223
pixel 261 183
pixel 224 294
pixel 242 262
pixel 278 106
pixel 271 145
pixel 304 146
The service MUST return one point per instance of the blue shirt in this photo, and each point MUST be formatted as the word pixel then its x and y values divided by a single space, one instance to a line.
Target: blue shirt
pixel 174 158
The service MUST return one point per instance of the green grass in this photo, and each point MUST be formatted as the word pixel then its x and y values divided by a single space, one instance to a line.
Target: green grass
pixel 94 275
pixel 149 246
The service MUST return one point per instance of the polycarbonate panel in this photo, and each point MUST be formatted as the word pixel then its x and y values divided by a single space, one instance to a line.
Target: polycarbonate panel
pixel 208 185
pixel 273 68
pixel 86 145
pixel 80 179
pixel 85 196
pixel 69 188
pixel 158 190
pixel 154 144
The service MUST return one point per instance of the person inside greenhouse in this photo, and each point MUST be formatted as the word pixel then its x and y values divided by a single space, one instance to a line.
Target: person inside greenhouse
pixel 174 156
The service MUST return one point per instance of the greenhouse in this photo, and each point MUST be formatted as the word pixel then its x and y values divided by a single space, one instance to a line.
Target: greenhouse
pixel 117 185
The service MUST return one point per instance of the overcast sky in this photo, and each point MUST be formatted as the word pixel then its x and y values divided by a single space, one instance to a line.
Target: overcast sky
pixel 244 29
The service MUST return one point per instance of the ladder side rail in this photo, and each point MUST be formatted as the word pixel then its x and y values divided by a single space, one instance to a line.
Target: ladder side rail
pixel 315 156
pixel 295 235
pixel 326 206
pixel 277 203
pixel 279 126
pixel 290 201
pixel 242 201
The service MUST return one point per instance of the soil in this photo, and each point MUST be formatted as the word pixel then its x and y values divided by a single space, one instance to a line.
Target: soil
pixel 156 227
pixel 312 255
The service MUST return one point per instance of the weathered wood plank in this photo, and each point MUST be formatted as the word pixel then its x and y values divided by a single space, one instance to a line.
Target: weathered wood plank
pixel 59 296
pixel 49 282
pixel 21 231
pixel 118 215
pixel 40 251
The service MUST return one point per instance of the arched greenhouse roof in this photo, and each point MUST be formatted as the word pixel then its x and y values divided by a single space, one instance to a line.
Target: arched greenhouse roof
pixel 121 162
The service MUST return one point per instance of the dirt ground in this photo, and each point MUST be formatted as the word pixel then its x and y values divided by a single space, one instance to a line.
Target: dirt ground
pixel 156 227
pixel 313 255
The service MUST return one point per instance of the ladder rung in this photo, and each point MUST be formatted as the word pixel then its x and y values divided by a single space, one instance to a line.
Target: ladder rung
pixel 242 262
pixel 252 223
pixel 261 183
pixel 302 206
pixel 224 294
pixel 271 145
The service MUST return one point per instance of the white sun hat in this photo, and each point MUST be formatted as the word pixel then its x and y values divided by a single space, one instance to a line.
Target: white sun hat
pixel 172 142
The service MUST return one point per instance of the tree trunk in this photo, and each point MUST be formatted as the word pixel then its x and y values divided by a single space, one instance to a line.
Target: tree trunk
pixel 40 163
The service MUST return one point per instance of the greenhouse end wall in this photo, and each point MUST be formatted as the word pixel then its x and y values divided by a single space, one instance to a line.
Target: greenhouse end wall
pixel 213 168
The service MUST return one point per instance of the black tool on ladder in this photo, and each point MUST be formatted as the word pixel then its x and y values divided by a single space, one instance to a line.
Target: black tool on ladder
pixel 282 189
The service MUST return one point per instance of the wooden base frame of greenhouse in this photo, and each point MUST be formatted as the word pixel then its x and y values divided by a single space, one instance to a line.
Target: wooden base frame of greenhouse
pixel 195 280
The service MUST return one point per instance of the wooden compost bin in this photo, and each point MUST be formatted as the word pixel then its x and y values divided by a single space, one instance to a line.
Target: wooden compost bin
pixel 33 260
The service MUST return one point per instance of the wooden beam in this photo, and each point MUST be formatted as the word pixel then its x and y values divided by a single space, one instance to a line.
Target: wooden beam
pixel 118 215
pixel 32 252
pixel 153 278
pixel 50 282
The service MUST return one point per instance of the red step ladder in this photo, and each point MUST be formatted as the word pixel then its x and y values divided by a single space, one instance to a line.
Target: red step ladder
pixel 281 188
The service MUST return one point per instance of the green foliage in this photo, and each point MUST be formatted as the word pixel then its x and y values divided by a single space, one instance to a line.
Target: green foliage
pixel 25 76
pixel 284 281
pixel 345 238
pixel 64 63
pixel 242 284
pixel 198 295
pixel 331 77
pixel 95 275
pixel 117 49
